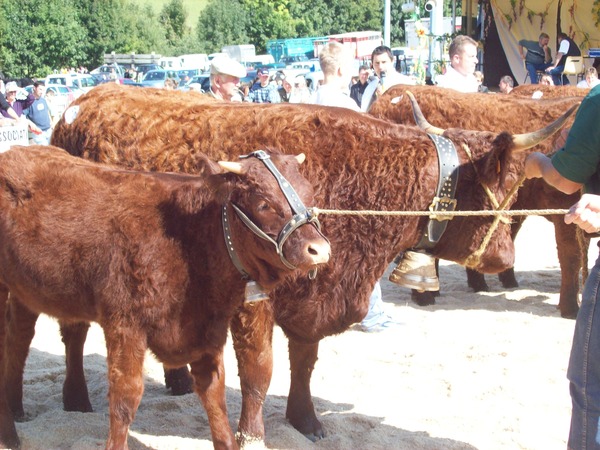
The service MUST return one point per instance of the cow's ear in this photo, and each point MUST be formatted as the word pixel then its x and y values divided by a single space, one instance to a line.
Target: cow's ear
pixel 229 166
pixel 301 158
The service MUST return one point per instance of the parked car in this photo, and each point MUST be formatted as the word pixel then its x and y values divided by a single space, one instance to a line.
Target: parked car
pixel 188 72
pixel 105 68
pixel 145 68
pixel 287 60
pixel 76 81
pixel 156 78
pixel 202 80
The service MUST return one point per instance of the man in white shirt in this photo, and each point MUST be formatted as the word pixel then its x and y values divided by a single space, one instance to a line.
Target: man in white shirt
pixel 386 75
pixel 463 61
pixel 225 74
pixel 336 64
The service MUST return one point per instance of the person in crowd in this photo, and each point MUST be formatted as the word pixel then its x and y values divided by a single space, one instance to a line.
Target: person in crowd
pixel 571 168
pixel 536 55
pixel 590 80
pixel 463 61
pixel 300 91
pixel 479 77
pixel 506 84
pixel 547 80
pixel 358 89
pixel 6 110
pixel 40 121
pixel 336 64
pixel 225 74
pixel 263 91
pixel 18 99
pixel 112 75
pixel 170 84
pixel 567 47
pixel 285 90
pixel 385 75
pixel 197 87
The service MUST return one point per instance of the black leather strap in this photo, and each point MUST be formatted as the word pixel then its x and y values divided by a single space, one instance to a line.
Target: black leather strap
pixel 444 198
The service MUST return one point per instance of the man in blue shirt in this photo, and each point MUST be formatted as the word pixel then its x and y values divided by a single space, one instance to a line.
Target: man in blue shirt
pixel 263 91
pixel 40 123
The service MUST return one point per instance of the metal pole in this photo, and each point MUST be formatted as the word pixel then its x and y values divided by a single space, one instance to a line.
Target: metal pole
pixel 387 8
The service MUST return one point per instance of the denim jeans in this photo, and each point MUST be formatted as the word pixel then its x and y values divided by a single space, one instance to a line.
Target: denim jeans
pixel 376 313
pixel 557 75
pixel 43 138
pixel 532 70
pixel 584 368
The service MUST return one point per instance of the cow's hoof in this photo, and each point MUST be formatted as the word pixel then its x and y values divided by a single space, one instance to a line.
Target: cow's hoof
pixel 179 381
pixel 310 428
pixel 508 280
pixel 568 314
pixel 426 298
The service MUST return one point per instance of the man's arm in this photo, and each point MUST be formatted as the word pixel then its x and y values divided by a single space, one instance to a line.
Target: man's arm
pixel 538 165
pixel 559 55
pixel 6 106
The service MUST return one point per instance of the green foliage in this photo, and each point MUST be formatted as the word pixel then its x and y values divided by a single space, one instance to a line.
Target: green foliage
pixel 172 17
pixel 38 35
pixel 268 19
pixel 222 22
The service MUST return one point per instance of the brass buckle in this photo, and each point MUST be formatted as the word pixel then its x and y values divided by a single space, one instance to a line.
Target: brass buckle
pixel 441 202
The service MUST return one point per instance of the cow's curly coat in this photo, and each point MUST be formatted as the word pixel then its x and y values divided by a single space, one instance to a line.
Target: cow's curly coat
pixel 355 162
pixel 447 108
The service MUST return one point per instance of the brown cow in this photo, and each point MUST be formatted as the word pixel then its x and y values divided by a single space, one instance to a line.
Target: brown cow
pixel 147 257
pixel 527 90
pixel 448 108
pixel 356 162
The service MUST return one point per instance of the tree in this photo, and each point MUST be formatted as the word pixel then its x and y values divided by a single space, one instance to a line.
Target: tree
pixel 268 19
pixel 120 26
pixel 222 22
pixel 39 36
pixel 172 17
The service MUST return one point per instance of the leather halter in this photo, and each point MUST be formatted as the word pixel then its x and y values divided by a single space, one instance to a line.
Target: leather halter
pixel 444 198
pixel 302 215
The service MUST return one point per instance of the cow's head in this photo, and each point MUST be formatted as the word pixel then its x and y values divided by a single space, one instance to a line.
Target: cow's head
pixel 490 170
pixel 273 234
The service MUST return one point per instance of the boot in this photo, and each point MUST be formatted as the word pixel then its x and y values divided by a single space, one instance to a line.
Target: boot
pixel 416 270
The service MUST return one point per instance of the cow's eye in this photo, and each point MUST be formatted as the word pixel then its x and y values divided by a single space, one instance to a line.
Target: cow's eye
pixel 263 206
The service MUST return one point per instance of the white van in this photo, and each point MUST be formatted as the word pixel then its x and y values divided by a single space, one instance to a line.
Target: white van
pixel 77 81
pixel 170 62
pixel 195 61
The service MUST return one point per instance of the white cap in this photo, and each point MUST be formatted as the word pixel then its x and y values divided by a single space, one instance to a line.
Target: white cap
pixel 227 66
pixel 11 86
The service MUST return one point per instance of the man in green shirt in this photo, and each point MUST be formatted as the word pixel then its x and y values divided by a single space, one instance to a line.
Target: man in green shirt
pixel 574 167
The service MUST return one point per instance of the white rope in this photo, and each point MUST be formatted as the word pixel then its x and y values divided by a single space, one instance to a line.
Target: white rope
pixel 505 212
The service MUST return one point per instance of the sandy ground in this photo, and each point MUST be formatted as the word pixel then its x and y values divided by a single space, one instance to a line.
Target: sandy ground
pixel 476 371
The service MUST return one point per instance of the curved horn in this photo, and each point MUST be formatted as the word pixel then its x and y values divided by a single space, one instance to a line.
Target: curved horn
pixel 420 119
pixel 528 140
pixel 230 166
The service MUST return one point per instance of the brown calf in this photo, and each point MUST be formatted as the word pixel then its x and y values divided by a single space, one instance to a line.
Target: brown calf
pixel 145 256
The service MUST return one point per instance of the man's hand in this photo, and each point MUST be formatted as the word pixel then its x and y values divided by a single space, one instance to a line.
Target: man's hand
pixel 585 213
